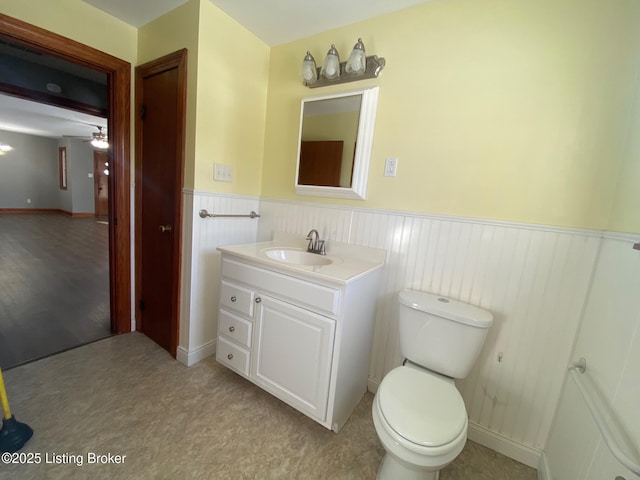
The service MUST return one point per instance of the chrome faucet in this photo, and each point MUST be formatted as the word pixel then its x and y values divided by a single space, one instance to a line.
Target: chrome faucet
pixel 315 244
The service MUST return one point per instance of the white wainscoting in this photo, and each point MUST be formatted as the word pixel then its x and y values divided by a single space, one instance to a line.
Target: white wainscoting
pixel 534 279
pixel 201 265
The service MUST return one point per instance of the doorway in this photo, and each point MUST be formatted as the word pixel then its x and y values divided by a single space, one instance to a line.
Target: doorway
pixel 160 137
pixel 119 87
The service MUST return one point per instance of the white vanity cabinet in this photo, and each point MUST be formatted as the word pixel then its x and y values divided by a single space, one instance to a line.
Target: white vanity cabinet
pixel 305 340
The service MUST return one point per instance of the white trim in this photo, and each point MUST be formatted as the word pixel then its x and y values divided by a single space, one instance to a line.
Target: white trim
pixel 237 196
pixel 480 221
pixel 506 446
pixel 621 236
pixel 544 473
pixel 189 358
pixel 373 384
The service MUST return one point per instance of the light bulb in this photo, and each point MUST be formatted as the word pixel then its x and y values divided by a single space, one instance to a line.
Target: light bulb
pixel 308 70
pixel 357 63
pixel 331 65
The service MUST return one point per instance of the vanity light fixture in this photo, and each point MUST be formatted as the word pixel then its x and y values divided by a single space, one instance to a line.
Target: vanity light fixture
pixel 5 148
pixel 332 72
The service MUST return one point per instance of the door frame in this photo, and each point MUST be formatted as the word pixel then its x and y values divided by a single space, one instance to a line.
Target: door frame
pixel 176 60
pixel 119 127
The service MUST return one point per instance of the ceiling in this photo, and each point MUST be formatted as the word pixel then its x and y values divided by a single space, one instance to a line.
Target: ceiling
pixel 273 21
pixel 33 118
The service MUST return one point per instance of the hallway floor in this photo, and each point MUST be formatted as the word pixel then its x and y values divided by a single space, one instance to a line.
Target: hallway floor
pixel 54 285
pixel 127 396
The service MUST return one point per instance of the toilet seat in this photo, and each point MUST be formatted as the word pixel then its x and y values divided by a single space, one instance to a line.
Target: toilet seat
pixel 426 411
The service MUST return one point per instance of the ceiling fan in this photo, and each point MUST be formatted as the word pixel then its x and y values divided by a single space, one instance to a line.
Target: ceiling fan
pixel 98 139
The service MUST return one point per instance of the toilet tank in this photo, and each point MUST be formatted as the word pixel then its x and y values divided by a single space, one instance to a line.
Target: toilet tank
pixel 441 334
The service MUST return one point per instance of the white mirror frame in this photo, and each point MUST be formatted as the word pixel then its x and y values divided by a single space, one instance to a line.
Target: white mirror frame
pixel 362 157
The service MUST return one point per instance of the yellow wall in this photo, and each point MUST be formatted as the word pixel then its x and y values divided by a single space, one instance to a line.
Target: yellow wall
pixel 625 216
pixel 80 22
pixel 226 92
pixel 174 31
pixel 233 66
pixel 502 109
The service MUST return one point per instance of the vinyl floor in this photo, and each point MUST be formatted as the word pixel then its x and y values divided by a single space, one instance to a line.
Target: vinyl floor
pixel 127 396
pixel 54 285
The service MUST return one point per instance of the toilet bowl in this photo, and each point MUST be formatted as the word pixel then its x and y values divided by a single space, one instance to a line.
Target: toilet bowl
pixel 418 413
pixel 421 421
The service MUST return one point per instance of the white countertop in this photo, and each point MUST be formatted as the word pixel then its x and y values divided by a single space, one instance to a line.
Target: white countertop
pixel 349 262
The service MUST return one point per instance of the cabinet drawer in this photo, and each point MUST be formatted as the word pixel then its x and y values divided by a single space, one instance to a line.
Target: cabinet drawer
pixel 320 298
pixel 236 298
pixel 232 356
pixel 235 328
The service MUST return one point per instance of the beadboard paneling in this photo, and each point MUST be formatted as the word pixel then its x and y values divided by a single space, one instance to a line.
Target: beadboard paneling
pixel 200 290
pixel 533 279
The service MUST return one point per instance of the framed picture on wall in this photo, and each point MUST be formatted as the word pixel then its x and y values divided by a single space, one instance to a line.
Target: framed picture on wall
pixel 62 167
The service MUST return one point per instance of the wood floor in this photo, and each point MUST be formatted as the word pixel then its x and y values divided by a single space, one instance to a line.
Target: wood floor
pixel 54 285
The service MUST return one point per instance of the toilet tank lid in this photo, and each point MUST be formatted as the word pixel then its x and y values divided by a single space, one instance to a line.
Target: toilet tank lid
pixel 446 307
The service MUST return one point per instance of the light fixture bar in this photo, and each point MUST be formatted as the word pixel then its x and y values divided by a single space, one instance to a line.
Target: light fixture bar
pixel 374 66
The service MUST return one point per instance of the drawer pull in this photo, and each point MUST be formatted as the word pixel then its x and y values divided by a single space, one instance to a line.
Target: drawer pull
pixel 230 356
pixel 258 299
pixel 233 299
pixel 232 328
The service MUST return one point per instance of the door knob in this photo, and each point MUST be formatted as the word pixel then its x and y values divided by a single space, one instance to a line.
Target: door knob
pixel 166 228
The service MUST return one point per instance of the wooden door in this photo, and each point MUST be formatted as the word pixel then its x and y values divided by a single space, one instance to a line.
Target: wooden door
pixel 161 100
pixel 101 183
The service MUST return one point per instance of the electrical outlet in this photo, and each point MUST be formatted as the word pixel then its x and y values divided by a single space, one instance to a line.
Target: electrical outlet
pixel 390 167
pixel 28 200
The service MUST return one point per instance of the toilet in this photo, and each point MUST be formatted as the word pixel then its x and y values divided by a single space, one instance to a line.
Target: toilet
pixel 418 413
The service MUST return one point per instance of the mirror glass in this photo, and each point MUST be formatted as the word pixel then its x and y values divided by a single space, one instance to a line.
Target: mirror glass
pixel 334 148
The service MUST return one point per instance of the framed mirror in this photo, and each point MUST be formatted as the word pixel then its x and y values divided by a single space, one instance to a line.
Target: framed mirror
pixel 334 144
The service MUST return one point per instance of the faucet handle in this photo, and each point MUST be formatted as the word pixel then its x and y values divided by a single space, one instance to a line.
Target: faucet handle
pixel 321 248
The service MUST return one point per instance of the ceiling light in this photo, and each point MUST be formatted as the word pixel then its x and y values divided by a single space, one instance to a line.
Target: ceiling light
pixel 100 140
pixel 5 148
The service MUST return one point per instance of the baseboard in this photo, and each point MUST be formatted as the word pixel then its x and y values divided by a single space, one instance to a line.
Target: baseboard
pixel 373 384
pixel 506 446
pixel 56 211
pixel 544 472
pixel 32 210
pixel 189 358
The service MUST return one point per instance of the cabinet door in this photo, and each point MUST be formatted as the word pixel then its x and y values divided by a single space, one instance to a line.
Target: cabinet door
pixel 292 354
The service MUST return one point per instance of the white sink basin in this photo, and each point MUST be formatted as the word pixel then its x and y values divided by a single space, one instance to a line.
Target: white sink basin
pixel 297 257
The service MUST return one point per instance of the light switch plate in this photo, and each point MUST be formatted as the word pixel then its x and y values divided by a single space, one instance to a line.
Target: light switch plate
pixel 222 172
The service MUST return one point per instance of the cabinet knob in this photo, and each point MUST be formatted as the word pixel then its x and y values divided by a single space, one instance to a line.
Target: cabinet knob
pixel 230 356
pixel 232 328
pixel 258 299
pixel 233 299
